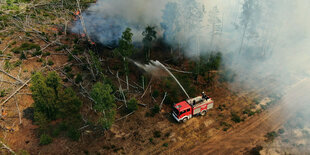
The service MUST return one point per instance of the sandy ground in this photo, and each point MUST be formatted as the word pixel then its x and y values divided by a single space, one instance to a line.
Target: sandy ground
pixel 251 133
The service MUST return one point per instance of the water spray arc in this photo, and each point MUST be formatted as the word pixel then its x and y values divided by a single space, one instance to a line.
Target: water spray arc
pixel 153 66
pixel 166 69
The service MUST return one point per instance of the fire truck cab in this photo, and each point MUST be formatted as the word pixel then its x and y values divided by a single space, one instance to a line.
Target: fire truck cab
pixel 185 110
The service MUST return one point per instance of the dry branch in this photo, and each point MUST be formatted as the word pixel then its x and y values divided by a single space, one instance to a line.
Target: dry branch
pixel 15 92
pixel 19 114
pixel 121 89
pixel 7 82
pixel 11 76
pixel 147 87
pixel 142 104
pixel 50 44
pixel 124 116
pixel 82 20
pixel 161 104
pixel 6 147
pixel 90 67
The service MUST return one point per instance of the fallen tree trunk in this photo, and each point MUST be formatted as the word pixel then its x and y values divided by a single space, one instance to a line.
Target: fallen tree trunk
pixel 121 90
pixel 15 92
pixel 6 147
pixel 125 116
pixel 161 104
pixel 11 76
pixel 147 88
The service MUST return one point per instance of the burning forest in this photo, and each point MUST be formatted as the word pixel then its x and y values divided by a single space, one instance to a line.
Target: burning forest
pixel 154 77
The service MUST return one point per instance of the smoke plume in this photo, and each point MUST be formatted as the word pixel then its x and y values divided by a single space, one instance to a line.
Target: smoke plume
pixel 107 19
pixel 265 42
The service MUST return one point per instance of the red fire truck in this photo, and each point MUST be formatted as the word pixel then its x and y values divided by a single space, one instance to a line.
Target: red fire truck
pixel 185 110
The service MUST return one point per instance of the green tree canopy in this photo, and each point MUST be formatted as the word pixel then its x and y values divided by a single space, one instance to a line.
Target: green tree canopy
pixel 104 104
pixel 52 101
pixel 125 47
pixel 69 105
pixel 44 97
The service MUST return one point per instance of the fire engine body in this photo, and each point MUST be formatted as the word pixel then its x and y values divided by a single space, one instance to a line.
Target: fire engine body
pixel 185 110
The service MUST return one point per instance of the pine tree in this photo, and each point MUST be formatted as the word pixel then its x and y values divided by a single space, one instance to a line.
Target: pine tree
pixel 44 97
pixel 149 35
pixel 125 49
pixel 52 101
pixel 104 104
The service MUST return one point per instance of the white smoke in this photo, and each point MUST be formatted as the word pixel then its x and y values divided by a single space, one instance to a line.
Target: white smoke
pixel 107 19
pixel 267 40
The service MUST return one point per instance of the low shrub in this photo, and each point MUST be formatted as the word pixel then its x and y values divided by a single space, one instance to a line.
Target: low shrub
pixel 155 93
pixel 17 63
pixel 73 134
pixel 45 139
pixel 155 110
pixel 22 56
pixel 78 78
pixel 132 105
pixel 235 117
pixel 157 134
pixel 2 93
pixel 50 62
pixel 271 136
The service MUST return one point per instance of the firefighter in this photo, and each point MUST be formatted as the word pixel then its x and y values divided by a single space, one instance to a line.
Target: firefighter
pixel 204 95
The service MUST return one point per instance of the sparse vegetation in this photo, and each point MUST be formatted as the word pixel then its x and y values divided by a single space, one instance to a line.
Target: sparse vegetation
pixel 17 63
pixel 45 139
pixel 271 136
pixel 22 56
pixel 155 110
pixel 155 93
pixel 78 78
pixel 132 105
pixel 2 93
pixel 26 47
pixel 235 117
pixel 225 125
pixel 157 134
pixel 256 150
pixel 165 145
pixel 50 62
pixel 281 131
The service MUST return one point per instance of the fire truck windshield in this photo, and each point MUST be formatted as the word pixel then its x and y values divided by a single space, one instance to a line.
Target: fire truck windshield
pixel 176 111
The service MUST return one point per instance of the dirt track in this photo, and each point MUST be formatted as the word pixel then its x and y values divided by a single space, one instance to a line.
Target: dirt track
pixel 251 132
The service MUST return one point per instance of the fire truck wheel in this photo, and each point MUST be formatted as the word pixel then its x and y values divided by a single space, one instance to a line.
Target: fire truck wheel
pixel 203 113
pixel 185 119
